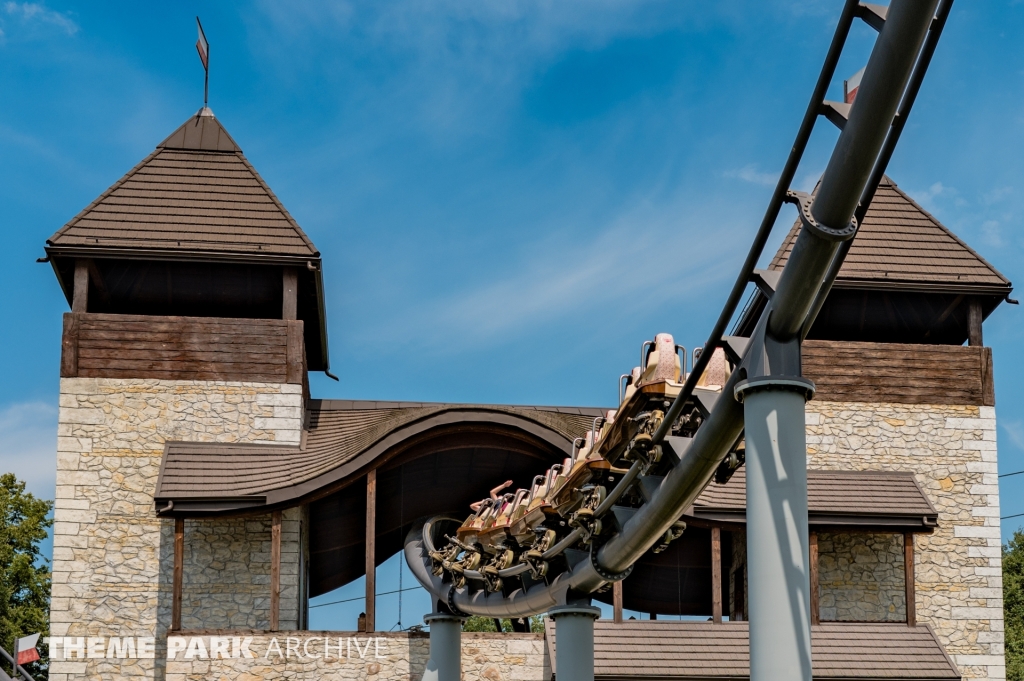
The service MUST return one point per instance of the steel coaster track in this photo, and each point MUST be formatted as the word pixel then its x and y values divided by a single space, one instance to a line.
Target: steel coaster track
pixel 909 31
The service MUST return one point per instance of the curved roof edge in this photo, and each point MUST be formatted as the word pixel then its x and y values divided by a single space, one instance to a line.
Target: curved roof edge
pixel 201 478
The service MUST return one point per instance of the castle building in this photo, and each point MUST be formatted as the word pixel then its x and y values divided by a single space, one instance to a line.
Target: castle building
pixel 204 496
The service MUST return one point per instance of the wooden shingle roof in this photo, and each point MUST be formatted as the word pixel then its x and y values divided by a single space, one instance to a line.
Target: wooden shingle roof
pixel 840 497
pixel 343 437
pixel 900 243
pixel 644 649
pixel 195 194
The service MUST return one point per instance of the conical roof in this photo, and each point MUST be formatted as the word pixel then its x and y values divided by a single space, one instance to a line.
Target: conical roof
pixel 901 245
pixel 195 194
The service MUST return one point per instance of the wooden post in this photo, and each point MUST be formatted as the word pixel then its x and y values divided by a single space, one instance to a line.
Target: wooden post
pixel 80 296
pixel 988 387
pixel 275 570
pixel 974 322
pixel 371 549
pixel 617 602
pixel 295 368
pixel 179 557
pixel 716 575
pixel 69 345
pixel 290 306
pixel 739 597
pixel 815 589
pixel 908 578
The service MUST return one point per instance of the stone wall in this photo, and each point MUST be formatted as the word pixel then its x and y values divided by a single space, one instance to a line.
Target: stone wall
pixel 326 656
pixel 226 573
pixel 112 556
pixel 952 449
pixel 860 577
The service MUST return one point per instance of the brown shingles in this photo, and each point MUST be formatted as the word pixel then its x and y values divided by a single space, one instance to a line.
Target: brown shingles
pixel 339 432
pixel 834 493
pixel 702 650
pixel 901 242
pixel 196 192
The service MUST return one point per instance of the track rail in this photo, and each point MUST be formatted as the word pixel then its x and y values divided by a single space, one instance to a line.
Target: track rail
pixel 671 470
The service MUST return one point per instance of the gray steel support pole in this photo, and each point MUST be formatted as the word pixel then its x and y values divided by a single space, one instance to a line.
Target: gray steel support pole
pixel 574 641
pixel 777 545
pixel 445 662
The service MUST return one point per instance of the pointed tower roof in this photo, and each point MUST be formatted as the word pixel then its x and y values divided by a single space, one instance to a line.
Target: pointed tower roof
pixel 195 195
pixel 901 245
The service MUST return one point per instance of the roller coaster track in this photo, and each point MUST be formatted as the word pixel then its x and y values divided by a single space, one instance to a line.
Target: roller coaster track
pixel 586 522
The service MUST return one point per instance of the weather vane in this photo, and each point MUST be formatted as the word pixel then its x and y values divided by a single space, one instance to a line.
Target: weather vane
pixel 204 56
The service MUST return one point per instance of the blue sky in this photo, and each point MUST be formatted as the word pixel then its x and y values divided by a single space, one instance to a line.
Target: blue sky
pixel 509 196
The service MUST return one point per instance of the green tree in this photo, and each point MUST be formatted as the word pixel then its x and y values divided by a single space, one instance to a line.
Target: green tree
pixel 1013 605
pixel 24 572
pixel 479 623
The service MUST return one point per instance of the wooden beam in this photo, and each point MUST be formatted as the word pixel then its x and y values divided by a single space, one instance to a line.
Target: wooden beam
pixel 371 550
pixel 815 588
pixel 295 371
pixel 716 574
pixel 275 570
pixel 69 345
pixel 974 322
pixel 908 578
pixel 179 557
pixel 290 305
pixel 988 387
pixel 739 594
pixel 617 602
pixel 80 299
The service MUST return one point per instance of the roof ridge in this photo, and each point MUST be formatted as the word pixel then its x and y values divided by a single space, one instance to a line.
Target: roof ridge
pixel 949 232
pixel 207 204
pixel 899 242
pixel 277 202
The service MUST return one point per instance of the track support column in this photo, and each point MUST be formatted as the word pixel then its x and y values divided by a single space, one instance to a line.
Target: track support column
pixel 574 641
pixel 777 540
pixel 445 662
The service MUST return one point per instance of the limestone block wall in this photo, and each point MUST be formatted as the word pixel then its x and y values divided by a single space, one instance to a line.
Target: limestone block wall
pixel 303 656
pixel 860 577
pixel 226 573
pixel 320 656
pixel 952 450
pixel 112 556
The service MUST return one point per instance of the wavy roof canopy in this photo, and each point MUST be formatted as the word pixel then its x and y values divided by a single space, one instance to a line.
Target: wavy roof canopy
pixel 343 440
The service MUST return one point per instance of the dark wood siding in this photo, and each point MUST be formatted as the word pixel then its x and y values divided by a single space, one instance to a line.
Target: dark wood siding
pixel 892 372
pixel 183 348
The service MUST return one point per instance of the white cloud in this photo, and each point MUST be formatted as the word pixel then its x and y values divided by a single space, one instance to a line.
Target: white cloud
pixel 1015 431
pixel 996 195
pixel 991 234
pixel 36 14
pixel 28 445
pixel 645 259
pixel 750 173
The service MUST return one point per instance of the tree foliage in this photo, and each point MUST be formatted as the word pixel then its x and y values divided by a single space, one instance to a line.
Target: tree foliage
pixel 1013 605
pixel 24 572
pixel 479 623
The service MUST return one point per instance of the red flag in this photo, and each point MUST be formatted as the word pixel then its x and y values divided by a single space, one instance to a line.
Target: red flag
pixel 25 649
pixel 850 86
pixel 203 47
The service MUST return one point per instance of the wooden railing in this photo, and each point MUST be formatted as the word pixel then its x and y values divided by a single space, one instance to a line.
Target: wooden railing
pixel 902 373
pixel 182 348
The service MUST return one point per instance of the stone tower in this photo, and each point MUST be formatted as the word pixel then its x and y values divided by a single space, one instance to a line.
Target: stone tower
pixel 196 311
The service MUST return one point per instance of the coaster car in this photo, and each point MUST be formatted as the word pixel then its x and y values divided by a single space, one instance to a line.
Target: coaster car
pixel 532 527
